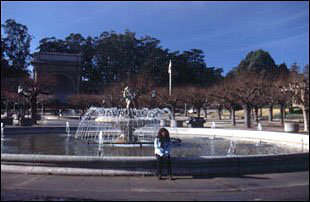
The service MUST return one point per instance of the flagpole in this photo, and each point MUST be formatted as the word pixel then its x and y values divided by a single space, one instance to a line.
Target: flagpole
pixel 169 71
pixel 170 83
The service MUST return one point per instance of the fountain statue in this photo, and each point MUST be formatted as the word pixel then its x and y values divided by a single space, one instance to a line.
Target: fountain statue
pixel 129 96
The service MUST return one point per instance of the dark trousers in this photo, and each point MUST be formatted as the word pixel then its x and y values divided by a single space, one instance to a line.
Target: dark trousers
pixel 161 161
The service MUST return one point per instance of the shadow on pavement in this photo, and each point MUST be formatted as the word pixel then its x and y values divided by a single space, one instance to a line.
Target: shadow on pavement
pixel 218 176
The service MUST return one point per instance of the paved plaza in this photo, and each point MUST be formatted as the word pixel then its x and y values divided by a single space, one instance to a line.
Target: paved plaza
pixel 276 186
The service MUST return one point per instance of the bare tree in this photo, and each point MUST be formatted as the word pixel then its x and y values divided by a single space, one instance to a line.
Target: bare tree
pixel 299 87
pixel 247 89
pixel 224 92
pixel 112 96
pixel 9 92
pixel 196 97
pixel 84 101
pixel 45 100
pixel 276 92
pixel 172 101
pixel 8 98
pixel 142 85
pixel 31 89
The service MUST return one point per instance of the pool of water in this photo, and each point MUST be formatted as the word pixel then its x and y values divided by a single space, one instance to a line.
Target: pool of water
pixel 61 144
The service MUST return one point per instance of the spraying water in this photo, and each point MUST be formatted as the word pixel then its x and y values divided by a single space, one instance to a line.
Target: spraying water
pixel 114 125
pixel 232 147
pixel 2 131
pixel 213 125
pixel 68 128
pixel 259 127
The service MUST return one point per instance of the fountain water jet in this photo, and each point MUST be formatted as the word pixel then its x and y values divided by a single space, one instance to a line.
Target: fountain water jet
pixel 68 128
pixel 2 131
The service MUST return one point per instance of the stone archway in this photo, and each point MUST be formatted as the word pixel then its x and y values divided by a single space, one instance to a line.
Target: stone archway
pixel 64 87
pixel 66 69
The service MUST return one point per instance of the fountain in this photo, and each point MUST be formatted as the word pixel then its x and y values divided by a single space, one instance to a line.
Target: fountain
pixel 121 126
pixel 113 125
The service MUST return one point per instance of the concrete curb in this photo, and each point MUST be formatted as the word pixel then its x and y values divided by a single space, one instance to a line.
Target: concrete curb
pixel 128 166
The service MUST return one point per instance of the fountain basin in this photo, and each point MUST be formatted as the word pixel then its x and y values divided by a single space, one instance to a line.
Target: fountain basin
pixel 146 165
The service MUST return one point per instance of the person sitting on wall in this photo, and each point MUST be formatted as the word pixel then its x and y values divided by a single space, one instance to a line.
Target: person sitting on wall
pixel 162 145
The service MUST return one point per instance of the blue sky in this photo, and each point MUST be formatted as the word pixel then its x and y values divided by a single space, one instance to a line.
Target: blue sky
pixel 225 31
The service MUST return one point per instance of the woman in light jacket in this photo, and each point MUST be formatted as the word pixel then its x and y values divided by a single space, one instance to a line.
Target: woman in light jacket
pixel 162 145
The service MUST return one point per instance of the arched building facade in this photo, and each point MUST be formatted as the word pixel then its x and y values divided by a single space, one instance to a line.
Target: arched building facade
pixel 63 67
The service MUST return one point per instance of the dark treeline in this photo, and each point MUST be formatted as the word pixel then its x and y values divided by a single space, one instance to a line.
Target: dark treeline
pixel 117 57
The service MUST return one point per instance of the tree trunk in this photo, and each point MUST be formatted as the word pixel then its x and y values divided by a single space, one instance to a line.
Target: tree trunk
pixel 22 110
pixel 305 112
pixel 42 109
pixel 185 110
pixel 219 113
pixel 270 116
pixel 291 108
pixel 198 112
pixel 7 108
pixel 233 116
pixel 282 113
pixel 206 112
pixel 247 116
pixel 256 114
pixel 34 109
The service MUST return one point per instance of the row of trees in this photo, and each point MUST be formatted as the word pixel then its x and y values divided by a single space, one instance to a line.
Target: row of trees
pixel 249 87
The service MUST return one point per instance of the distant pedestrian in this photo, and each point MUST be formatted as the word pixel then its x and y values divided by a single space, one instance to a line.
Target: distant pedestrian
pixel 162 145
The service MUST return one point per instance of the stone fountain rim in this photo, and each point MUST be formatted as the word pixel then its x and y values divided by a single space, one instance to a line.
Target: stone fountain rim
pixel 145 166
